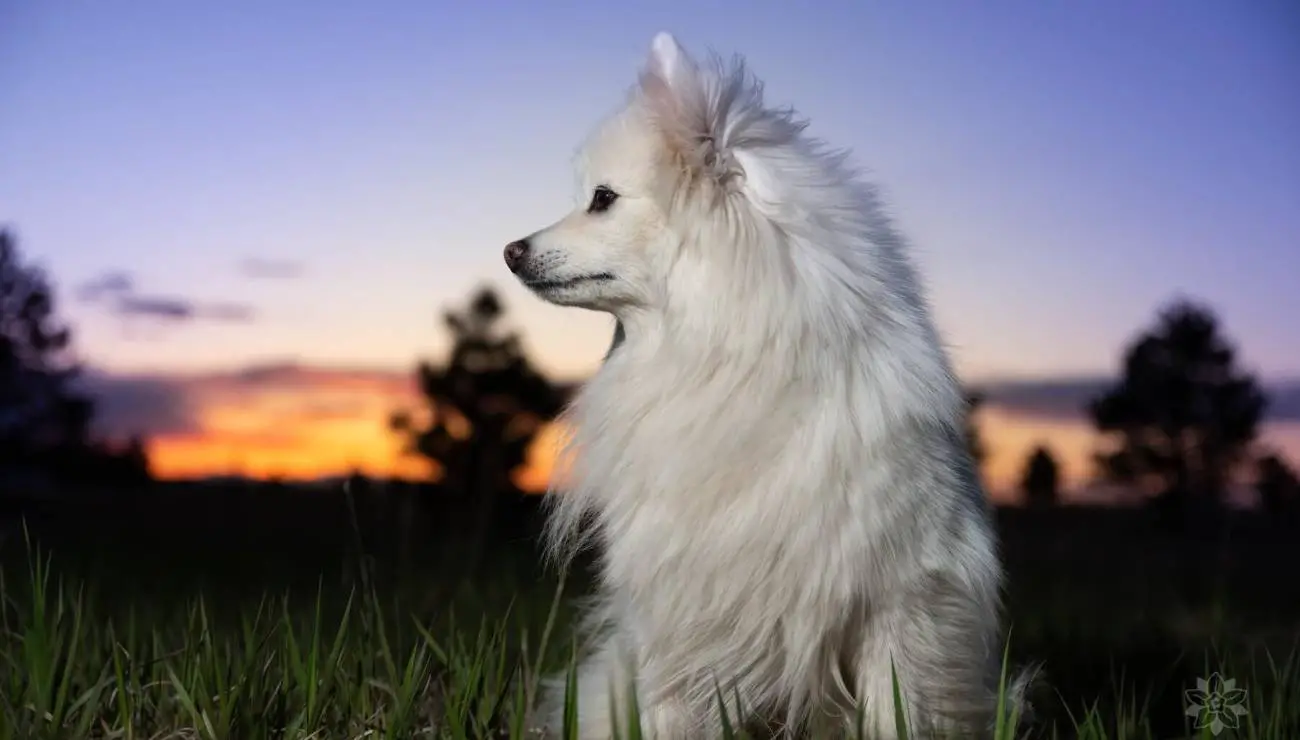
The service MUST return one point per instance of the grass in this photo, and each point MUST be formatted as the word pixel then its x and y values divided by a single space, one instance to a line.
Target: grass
pixel 277 670
pixel 97 648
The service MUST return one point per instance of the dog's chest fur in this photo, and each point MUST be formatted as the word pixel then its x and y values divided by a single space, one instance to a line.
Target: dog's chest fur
pixel 711 486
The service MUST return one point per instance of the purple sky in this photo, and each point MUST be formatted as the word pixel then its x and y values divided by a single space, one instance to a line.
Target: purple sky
pixel 313 181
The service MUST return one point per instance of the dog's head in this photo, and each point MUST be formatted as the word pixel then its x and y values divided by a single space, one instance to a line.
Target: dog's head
pixel 681 158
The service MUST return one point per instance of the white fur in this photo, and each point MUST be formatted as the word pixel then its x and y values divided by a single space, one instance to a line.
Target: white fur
pixel 772 461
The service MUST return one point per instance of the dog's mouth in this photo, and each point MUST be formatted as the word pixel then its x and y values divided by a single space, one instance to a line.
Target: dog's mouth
pixel 546 286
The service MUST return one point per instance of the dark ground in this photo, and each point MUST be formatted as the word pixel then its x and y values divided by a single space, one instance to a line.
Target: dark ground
pixel 1123 615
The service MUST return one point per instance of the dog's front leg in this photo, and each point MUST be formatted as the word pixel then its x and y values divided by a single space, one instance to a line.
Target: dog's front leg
pixel 599 695
pixel 604 704
pixel 939 643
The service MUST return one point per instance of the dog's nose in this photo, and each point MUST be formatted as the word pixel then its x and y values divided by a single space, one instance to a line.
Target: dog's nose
pixel 516 251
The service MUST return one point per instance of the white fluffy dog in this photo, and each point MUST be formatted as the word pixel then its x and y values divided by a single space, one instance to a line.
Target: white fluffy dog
pixel 772 458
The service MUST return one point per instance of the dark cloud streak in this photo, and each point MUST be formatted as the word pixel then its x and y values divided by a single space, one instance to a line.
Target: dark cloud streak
pixel 1068 398
pixel 110 283
pixel 116 291
pixel 140 404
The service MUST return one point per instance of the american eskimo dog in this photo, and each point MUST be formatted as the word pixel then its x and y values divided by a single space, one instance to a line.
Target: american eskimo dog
pixel 772 457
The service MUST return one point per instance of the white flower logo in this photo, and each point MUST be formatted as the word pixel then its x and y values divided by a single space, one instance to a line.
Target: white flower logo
pixel 1216 703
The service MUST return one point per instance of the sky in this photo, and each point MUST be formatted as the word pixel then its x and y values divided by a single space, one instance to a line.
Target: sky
pixel 223 188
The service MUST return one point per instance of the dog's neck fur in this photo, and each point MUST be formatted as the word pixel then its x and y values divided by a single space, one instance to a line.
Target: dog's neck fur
pixel 674 384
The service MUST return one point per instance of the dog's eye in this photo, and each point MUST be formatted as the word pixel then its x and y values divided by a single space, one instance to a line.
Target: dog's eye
pixel 601 199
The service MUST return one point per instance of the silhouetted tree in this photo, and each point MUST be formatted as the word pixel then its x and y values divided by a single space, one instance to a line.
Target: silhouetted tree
pixel 1183 414
pixel 1041 482
pixel 45 425
pixel 1279 489
pixel 39 412
pixel 485 406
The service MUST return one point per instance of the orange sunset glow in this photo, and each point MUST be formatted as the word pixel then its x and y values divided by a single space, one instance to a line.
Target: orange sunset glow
pixel 290 422
pixel 301 423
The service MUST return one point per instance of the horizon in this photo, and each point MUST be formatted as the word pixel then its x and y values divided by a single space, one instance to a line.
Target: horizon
pixel 220 423
pixel 225 188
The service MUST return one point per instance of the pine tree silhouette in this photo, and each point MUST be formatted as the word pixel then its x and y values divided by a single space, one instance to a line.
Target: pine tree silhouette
pixel 45 424
pixel 1183 415
pixel 485 407
pixel 1041 481
pixel 39 412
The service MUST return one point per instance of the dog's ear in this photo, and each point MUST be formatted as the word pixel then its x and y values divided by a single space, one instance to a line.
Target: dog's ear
pixel 715 125
pixel 669 63
pixel 688 114
pixel 670 80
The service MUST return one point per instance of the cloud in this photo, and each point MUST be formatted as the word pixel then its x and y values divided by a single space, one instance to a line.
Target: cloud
pixel 289 375
pixel 147 405
pixel 1054 398
pixel 1068 398
pixel 1284 400
pixel 179 309
pixel 108 284
pixel 258 267
pixel 117 292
